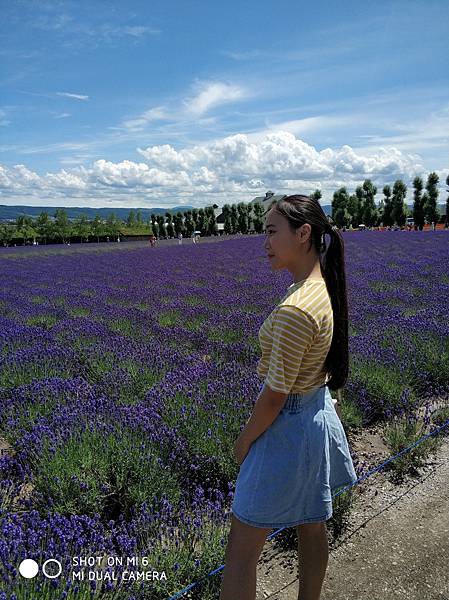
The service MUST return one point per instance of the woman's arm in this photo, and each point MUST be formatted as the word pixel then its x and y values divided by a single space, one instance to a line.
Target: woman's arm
pixel 267 407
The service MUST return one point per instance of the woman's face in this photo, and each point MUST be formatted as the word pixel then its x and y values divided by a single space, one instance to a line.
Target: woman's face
pixel 283 246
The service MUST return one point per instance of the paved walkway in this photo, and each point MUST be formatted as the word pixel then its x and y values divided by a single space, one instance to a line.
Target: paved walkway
pixel 396 547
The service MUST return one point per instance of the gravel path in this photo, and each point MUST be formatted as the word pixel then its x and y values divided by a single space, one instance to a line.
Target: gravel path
pixel 396 545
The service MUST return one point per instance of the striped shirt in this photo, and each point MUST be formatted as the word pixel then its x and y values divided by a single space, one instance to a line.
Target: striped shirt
pixel 295 339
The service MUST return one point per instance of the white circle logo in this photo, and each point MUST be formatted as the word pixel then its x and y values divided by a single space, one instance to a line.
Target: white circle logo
pixel 51 560
pixel 28 568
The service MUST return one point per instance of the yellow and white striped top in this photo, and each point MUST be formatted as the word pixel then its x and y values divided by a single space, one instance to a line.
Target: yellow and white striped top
pixel 295 339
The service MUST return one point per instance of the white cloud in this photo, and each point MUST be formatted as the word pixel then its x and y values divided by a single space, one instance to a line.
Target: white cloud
pixel 157 113
pixel 211 94
pixel 230 169
pixel 138 30
pixel 205 95
pixel 75 96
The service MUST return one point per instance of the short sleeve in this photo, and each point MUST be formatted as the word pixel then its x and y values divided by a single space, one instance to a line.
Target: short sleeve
pixel 293 334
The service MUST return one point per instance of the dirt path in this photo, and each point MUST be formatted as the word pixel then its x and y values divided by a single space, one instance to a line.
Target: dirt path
pixel 396 545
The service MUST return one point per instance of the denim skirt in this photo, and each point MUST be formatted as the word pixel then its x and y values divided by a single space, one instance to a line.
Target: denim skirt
pixel 291 470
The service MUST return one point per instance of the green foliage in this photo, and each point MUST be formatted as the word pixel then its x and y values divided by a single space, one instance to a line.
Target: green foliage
pixel 402 432
pixel 351 415
pixel 169 318
pixel 209 431
pixel 141 378
pixel 439 417
pixel 123 326
pixel 384 384
pixel 15 374
pixel 221 334
pixel 341 510
pixel 79 312
pixel 97 365
pixel 193 300
pixel 106 473
pixel 194 324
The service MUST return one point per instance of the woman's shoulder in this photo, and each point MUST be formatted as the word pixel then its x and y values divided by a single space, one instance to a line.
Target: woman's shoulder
pixel 290 314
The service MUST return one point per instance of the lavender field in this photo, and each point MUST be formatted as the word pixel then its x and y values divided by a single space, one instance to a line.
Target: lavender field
pixel 127 373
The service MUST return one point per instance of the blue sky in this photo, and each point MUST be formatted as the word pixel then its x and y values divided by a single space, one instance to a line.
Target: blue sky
pixel 166 103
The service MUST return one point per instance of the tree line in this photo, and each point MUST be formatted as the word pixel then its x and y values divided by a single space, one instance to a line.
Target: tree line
pixel 347 210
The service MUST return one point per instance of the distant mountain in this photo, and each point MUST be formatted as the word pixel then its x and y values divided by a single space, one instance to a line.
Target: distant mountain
pixel 10 213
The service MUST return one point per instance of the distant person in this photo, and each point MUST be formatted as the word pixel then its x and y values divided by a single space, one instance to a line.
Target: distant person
pixel 194 238
pixel 293 452
pixel 433 226
pixel 179 238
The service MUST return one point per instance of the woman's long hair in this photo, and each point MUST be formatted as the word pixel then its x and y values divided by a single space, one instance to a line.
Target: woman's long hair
pixel 299 209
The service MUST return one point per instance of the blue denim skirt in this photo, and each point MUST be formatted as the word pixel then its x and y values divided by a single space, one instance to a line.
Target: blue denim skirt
pixel 291 470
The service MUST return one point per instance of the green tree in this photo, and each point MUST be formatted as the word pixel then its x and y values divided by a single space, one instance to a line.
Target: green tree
pixel 446 220
pixel 370 215
pixel 189 225
pixel 386 217
pixel 153 224
pixel 161 226
pixel 81 227
pixel 169 227
pixel 61 224
pixel 354 209
pixel 316 195
pixel 6 233
pixel 242 218
pixel 226 211
pixel 234 218
pixel 418 203
pixel 24 228
pixel 210 225
pixel 177 224
pixel 399 208
pixel 131 220
pixel 113 226
pixel 44 226
pixel 431 211
pixel 258 211
pixel 201 222
pixel 360 205
pixel 97 227
pixel 340 208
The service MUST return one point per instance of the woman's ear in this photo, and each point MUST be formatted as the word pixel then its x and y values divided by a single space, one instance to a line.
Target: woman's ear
pixel 304 231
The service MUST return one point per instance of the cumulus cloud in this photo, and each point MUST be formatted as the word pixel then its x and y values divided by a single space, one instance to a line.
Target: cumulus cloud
pixel 231 169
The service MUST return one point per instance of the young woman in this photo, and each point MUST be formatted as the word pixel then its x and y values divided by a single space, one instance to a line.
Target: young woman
pixel 293 452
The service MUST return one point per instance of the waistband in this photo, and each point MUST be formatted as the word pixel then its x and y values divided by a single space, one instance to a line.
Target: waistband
pixel 297 400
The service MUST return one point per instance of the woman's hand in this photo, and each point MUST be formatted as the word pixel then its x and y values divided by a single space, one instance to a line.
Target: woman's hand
pixel 241 448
